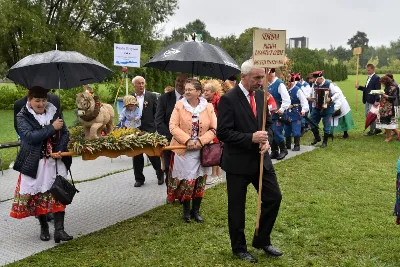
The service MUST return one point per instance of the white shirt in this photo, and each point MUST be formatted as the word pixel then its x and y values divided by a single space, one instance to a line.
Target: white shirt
pixel 140 100
pixel 178 96
pixel 284 95
pixel 246 93
pixel 369 78
pixel 306 89
pixel 303 100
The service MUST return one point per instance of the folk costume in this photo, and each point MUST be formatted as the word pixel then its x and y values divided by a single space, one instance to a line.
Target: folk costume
pixel 188 178
pixel 307 91
pixel 279 92
pixel 322 108
pixel 298 105
pixel 37 169
pixel 387 117
pixel 342 118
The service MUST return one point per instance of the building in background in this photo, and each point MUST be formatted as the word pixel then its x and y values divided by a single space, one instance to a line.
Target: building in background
pixel 298 42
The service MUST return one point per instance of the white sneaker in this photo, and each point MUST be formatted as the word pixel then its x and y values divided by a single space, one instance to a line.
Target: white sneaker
pixel 211 180
pixel 221 178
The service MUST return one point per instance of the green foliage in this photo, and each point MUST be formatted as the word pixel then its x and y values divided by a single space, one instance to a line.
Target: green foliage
pixel 358 40
pixel 89 27
pixel 9 94
pixel 334 72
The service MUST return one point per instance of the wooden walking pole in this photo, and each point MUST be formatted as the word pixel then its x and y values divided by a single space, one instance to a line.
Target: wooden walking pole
pixel 262 155
pixel 357 51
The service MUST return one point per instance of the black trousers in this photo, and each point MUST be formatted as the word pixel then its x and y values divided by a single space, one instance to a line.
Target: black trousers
pixel 167 159
pixel 138 165
pixel 270 202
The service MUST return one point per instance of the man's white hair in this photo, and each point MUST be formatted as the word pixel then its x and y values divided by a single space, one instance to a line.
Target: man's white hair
pixel 247 66
pixel 137 77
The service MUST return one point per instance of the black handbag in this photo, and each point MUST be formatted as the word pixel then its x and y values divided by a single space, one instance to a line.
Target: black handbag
pixel 62 190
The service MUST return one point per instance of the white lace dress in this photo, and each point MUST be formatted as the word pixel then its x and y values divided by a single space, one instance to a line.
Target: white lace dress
pixel 188 167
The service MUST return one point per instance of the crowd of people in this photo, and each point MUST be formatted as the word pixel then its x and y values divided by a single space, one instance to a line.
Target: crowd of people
pixel 194 113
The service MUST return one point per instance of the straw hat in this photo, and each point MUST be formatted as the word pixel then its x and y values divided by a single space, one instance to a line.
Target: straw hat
pixel 130 100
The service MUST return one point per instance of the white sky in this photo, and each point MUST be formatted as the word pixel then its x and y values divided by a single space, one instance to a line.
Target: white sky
pixel 324 22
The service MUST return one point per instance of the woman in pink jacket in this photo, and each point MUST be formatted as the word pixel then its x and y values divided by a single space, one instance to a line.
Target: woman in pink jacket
pixel 193 123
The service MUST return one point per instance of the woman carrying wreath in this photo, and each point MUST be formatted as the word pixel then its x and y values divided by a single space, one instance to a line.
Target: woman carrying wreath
pixel 42 131
pixel 193 123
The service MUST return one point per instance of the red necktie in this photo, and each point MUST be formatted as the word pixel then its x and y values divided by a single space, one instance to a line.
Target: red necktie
pixel 253 103
pixel 180 97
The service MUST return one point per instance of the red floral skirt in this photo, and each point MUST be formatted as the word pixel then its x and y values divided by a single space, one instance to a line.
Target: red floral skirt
pixel 26 205
pixel 184 189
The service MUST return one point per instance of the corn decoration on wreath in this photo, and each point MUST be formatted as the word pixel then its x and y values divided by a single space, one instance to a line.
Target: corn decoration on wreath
pixel 118 140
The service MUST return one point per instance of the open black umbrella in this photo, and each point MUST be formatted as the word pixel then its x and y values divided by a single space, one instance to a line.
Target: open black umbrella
pixel 57 69
pixel 197 58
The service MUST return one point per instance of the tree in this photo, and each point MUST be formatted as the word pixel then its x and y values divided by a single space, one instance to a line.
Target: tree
pixel 358 40
pixel 87 26
pixel 196 26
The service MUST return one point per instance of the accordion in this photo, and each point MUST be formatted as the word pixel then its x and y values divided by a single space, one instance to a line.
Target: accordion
pixel 321 97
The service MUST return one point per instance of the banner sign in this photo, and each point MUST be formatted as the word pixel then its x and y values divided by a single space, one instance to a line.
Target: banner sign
pixel 127 55
pixel 269 48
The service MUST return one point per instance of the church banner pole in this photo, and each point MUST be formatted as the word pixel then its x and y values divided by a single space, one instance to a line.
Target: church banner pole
pixel 357 51
pixel 262 155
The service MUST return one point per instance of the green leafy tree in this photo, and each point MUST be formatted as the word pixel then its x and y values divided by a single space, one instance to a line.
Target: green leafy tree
pixel 358 40
pixel 87 26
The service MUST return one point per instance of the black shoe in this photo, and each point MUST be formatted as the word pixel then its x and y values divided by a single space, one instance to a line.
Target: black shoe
pixel 325 141
pixel 161 181
pixel 195 212
pixel 378 131
pixel 345 135
pixel 245 256
pixel 270 250
pixel 282 151
pixel 274 154
pixel 138 184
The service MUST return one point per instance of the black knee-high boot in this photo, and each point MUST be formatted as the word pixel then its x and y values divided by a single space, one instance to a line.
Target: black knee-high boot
pixel 195 213
pixel 325 141
pixel 186 211
pixel 288 142
pixel 317 137
pixel 59 233
pixel 296 143
pixel 44 228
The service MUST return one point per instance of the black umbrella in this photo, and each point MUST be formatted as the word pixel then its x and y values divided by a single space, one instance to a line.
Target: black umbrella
pixel 197 58
pixel 57 69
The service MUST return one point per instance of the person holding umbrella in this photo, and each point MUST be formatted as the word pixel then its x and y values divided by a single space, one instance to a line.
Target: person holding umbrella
pixel 240 118
pixel 42 132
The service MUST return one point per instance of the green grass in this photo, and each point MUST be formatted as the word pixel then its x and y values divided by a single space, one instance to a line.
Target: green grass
pixel 336 211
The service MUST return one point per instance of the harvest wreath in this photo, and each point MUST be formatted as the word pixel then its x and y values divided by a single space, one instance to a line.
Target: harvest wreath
pixel 119 142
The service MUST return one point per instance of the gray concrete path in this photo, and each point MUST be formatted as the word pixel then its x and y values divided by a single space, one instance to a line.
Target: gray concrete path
pixel 100 203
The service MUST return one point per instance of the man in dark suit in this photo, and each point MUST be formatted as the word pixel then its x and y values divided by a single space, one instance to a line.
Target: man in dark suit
pixel 368 99
pixel 147 106
pixel 239 128
pixel 54 99
pixel 166 104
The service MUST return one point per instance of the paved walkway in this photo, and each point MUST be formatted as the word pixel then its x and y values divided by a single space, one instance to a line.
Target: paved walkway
pixel 100 203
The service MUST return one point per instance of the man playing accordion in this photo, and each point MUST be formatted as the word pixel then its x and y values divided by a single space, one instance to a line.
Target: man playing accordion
pixel 323 107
